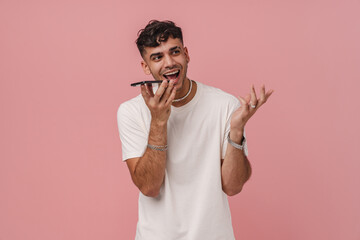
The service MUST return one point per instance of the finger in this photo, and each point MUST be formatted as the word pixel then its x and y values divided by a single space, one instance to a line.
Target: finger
pixel 268 94
pixel 161 90
pixel 262 97
pixel 149 89
pixel 171 97
pixel 243 102
pixel 247 98
pixel 168 91
pixel 144 93
pixel 253 100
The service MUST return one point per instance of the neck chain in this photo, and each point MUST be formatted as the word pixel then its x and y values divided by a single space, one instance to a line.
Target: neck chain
pixel 180 99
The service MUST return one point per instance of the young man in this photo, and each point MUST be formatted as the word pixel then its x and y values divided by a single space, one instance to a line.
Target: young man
pixel 184 144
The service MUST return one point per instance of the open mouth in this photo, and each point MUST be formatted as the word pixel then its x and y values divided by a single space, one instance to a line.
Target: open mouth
pixel 173 75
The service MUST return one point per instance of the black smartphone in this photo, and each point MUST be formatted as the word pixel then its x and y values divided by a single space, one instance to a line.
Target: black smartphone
pixel 145 82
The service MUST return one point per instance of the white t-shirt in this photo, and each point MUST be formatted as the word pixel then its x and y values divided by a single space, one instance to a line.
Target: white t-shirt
pixel 191 204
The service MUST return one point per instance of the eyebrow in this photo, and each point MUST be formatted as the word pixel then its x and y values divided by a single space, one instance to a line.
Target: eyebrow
pixel 171 49
pixel 154 54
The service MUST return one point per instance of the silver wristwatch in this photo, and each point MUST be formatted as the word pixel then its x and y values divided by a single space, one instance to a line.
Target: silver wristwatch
pixel 235 145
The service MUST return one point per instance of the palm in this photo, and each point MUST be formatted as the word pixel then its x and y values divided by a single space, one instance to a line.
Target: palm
pixel 249 105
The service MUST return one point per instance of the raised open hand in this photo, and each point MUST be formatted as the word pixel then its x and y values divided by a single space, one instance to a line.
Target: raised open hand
pixel 249 105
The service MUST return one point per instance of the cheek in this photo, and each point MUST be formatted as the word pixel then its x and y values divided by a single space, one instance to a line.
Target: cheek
pixel 154 70
pixel 185 65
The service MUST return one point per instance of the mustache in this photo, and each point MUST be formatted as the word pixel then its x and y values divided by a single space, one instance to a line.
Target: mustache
pixel 171 68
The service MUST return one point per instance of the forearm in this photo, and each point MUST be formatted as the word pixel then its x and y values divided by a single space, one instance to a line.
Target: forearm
pixel 236 168
pixel 150 169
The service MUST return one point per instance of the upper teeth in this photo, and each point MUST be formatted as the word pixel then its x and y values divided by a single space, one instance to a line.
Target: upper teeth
pixel 170 73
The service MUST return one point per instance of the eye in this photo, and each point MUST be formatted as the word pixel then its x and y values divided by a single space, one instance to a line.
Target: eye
pixel 156 58
pixel 175 52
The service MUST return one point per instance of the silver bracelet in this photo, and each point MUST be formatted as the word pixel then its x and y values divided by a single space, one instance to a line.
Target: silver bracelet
pixel 158 148
pixel 235 145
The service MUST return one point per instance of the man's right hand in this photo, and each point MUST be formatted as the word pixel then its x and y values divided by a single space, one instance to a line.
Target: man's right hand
pixel 159 103
pixel 148 171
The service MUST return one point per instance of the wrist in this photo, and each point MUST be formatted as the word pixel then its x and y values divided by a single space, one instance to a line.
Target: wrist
pixel 158 133
pixel 236 135
pixel 158 123
pixel 240 145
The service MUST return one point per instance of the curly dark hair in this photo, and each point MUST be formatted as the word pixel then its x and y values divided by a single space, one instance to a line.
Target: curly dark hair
pixel 156 32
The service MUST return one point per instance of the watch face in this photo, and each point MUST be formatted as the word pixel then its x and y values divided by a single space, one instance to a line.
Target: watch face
pixel 242 141
pixel 235 145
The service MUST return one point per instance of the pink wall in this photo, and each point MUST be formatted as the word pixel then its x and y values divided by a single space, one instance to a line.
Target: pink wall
pixel 65 66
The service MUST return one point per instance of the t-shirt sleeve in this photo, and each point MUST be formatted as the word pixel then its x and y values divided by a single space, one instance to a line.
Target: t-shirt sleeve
pixel 133 134
pixel 233 105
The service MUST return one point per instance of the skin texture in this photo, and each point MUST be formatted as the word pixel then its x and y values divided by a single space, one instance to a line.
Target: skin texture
pixel 148 171
pixel 236 168
pixel 169 56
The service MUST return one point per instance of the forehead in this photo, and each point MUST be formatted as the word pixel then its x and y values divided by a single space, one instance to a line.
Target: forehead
pixel 164 46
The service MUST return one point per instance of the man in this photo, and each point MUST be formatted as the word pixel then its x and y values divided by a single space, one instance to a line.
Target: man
pixel 184 144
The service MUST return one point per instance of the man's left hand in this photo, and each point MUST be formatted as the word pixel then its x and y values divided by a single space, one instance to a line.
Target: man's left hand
pixel 249 105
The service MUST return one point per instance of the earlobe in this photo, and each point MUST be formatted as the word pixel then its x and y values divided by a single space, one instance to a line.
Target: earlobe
pixel 145 67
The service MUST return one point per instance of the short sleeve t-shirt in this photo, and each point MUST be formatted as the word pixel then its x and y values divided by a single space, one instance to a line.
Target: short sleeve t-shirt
pixel 191 204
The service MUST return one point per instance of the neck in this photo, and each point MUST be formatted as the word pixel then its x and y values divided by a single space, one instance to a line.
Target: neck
pixel 189 97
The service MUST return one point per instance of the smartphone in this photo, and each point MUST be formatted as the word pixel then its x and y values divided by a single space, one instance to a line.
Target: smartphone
pixel 145 82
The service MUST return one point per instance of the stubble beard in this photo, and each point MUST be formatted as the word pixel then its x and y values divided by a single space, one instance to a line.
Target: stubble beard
pixel 183 81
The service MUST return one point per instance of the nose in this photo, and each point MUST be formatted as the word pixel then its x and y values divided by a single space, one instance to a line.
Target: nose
pixel 169 61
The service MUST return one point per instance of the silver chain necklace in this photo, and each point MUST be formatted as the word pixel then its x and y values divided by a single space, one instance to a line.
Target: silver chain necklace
pixel 180 99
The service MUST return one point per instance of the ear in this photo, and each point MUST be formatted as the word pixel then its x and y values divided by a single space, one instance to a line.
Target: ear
pixel 145 67
pixel 186 54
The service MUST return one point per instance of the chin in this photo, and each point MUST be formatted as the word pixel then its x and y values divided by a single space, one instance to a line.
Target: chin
pixel 180 84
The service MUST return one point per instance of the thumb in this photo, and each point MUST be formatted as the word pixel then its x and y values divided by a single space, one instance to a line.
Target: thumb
pixel 247 98
pixel 243 102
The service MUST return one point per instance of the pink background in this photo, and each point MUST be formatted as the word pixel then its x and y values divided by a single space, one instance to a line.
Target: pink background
pixel 65 67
